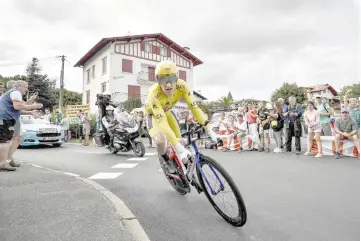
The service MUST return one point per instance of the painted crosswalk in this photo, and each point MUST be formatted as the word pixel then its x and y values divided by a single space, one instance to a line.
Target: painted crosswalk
pixel 123 166
pixel 106 175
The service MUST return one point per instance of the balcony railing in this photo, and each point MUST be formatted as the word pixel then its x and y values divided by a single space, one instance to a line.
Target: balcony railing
pixel 146 77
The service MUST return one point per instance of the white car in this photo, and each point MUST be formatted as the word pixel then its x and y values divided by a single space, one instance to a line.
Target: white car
pixel 38 131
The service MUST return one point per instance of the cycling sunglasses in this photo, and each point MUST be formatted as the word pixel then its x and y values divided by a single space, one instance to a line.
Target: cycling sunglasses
pixel 164 79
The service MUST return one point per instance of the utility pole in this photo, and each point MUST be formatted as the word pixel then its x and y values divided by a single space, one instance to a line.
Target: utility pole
pixel 61 93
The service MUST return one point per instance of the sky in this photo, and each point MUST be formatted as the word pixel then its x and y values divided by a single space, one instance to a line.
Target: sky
pixel 249 47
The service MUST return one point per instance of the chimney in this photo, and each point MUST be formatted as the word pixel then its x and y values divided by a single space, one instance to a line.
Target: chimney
pixel 187 48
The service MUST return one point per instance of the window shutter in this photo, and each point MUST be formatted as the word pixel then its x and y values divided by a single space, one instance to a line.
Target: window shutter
pixel 142 46
pixel 151 73
pixel 154 49
pixel 183 75
pixel 127 65
pixel 168 52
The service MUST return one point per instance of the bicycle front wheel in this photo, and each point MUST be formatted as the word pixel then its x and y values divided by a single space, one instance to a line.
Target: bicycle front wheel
pixel 215 180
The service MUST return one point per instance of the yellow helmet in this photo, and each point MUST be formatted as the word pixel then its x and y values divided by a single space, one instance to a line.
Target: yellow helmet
pixel 166 71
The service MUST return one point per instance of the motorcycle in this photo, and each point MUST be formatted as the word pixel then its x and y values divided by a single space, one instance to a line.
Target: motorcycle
pixel 125 133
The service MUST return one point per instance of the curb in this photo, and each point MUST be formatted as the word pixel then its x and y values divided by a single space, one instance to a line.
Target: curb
pixel 126 216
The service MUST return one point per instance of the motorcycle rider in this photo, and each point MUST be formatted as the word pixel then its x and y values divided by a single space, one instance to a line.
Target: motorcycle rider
pixel 109 121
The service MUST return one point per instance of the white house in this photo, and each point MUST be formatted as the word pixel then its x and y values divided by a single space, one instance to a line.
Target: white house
pixel 324 90
pixel 124 66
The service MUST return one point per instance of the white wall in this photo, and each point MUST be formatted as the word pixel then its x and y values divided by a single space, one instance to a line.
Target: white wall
pixel 95 83
pixel 117 81
pixel 327 93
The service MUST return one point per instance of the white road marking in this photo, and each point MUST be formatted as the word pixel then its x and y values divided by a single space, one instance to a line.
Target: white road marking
pixel 71 174
pixel 150 154
pixel 160 170
pixel 125 165
pixel 137 159
pixel 106 175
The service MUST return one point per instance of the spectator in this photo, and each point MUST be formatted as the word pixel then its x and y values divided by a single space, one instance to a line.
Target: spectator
pixel 354 110
pixel 346 129
pixel 65 126
pixel 312 119
pixel 86 127
pixel 264 126
pixel 281 101
pixel 58 117
pixel 11 105
pixel 222 124
pixel 293 126
pixel 252 125
pixel 277 125
pixel 325 115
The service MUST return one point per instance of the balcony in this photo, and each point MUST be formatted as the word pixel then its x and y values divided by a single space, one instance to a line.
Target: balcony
pixel 146 78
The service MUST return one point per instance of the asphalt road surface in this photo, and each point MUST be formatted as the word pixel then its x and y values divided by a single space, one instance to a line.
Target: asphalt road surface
pixel 288 197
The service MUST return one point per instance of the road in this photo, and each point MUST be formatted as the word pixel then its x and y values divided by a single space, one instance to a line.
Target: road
pixel 288 197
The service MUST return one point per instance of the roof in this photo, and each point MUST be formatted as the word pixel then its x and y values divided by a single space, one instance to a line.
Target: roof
pixel 316 88
pixel 199 95
pixel 103 42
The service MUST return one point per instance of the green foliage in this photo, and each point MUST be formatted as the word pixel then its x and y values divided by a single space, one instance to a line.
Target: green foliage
pixel 355 91
pixel 287 90
pixel 226 102
pixel 70 97
pixel 41 84
pixel 131 104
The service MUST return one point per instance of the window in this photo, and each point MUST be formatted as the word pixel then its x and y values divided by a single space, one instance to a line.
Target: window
pixel 151 73
pixel 127 65
pixel 93 71
pixel 103 87
pixel 133 92
pixel 163 51
pixel 104 65
pixel 183 75
pixel 148 47
pixel 87 101
pixel 88 76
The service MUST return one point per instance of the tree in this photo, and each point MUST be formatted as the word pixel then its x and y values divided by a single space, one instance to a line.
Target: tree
pixel 226 102
pixel 287 90
pixel 70 97
pixel 41 84
pixel 355 91
pixel 230 96
pixel 131 104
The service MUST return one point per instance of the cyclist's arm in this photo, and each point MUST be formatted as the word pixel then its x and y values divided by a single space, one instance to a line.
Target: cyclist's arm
pixel 161 124
pixel 192 105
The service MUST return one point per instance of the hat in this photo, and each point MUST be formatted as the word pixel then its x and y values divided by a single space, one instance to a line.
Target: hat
pixel 344 110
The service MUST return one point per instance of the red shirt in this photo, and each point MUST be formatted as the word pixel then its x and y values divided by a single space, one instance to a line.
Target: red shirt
pixel 250 118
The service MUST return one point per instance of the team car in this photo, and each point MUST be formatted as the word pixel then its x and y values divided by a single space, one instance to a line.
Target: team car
pixel 38 131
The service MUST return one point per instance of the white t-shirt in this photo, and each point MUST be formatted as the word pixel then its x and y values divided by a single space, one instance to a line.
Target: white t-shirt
pixel 16 95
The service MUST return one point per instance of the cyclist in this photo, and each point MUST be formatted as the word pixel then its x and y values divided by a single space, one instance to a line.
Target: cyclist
pixel 161 121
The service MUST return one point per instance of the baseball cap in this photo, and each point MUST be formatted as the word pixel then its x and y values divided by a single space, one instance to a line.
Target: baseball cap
pixel 344 110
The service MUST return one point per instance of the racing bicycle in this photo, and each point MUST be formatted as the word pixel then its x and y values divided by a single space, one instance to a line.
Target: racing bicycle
pixel 181 177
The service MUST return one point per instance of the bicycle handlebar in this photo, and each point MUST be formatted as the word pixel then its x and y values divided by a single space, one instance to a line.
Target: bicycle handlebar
pixel 197 130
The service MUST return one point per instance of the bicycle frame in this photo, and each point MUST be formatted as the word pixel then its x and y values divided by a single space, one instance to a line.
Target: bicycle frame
pixel 196 164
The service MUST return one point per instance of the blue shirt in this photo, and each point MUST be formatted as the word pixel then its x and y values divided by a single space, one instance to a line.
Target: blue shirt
pixel 7 110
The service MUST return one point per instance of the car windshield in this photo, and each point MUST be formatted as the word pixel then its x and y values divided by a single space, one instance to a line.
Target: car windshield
pixel 33 121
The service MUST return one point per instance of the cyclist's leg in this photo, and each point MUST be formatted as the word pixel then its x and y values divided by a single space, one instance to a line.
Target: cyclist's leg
pixel 173 123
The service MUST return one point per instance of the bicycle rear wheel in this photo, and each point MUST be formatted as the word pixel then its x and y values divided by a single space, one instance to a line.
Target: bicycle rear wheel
pixel 218 173
pixel 179 185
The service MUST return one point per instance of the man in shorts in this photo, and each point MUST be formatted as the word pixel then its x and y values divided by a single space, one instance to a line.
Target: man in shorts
pixel 346 129
pixel 18 134
pixel 11 106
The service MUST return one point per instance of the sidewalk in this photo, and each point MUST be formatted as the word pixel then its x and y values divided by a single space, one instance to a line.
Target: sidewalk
pixel 37 204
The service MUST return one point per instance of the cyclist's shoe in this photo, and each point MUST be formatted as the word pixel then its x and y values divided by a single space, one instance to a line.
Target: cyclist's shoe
pixel 182 153
pixel 168 163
